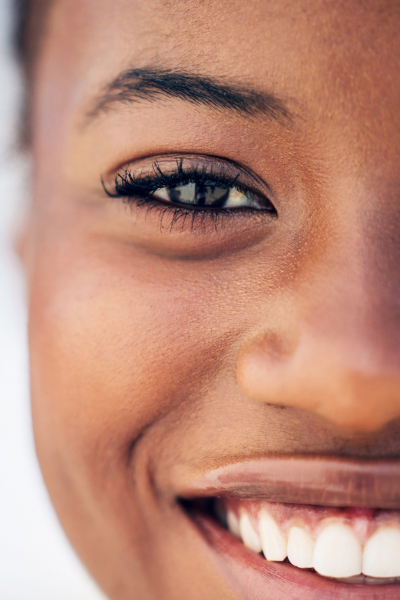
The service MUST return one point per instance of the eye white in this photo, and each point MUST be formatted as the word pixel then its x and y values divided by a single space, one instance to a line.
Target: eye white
pixel 237 199
pixel 162 194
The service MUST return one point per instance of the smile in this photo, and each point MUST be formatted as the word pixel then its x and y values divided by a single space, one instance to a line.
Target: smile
pixel 355 545
pixel 344 545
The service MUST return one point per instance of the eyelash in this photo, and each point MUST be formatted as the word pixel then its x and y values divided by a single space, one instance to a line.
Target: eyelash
pixel 138 190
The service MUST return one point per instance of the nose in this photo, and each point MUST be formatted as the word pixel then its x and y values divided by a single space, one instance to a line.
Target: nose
pixel 339 357
pixel 347 389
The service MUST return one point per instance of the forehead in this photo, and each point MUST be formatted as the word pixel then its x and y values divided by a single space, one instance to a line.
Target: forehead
pixel 291 46
pixel 220 34
pixel 334 62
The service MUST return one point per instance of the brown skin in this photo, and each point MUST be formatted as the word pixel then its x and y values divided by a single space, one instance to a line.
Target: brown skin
pixel 151 350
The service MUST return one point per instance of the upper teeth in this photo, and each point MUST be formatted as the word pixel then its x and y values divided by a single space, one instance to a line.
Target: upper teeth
pixel 300 548
pixel 250 537
pixel 337 552
pixel 274 543
pixel 382 553
pixel 334 551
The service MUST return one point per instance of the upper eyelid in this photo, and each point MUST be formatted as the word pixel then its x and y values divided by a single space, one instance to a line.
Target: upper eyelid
pixel 184 176
pixel 136 186
pixel 252 181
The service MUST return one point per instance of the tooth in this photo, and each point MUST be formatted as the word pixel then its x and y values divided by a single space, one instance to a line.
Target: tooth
pixel 300 548
pixel 337 552
pixel 233 523
pixel 250 537
pixel 382 553
pixel 274 543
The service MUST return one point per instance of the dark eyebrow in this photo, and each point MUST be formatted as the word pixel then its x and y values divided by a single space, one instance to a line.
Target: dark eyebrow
pixel 136 85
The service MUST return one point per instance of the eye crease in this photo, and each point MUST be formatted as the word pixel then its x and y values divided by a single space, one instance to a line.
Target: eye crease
pixel 187 187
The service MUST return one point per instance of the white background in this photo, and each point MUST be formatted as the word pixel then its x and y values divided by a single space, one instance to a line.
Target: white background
pixel 36 561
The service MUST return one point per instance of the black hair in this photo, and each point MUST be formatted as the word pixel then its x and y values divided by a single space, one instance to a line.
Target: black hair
pixel 30 19
pixel 21 8
pixel 30 16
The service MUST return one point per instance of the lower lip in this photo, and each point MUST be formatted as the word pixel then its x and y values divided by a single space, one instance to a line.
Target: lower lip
pixel 254 578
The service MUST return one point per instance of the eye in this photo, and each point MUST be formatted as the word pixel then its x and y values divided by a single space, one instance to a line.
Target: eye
pixel 207 194
pixel 193 183
pixel 192 190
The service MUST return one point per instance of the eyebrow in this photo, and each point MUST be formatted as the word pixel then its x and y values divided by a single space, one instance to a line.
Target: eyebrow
pixel 137 85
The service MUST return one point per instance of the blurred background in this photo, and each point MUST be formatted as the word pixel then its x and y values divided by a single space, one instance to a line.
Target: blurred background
pixel 36 561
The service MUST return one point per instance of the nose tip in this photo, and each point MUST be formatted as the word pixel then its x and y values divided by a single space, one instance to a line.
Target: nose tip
pixel 351 390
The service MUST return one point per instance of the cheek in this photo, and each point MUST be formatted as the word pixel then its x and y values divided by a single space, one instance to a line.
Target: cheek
pixel 112 353
pixel 112 350
pixel 119 338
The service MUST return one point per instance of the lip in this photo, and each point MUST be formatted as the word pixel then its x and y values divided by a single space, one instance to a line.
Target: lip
pixel 303 480
pixel 253 578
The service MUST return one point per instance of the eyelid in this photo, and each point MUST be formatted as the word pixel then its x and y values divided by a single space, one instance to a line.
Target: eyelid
pixel 217 165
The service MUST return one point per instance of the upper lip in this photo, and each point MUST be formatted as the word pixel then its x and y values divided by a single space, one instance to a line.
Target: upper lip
pixel 304 480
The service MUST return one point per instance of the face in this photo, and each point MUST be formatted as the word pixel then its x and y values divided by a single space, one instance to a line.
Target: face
pixel 213 262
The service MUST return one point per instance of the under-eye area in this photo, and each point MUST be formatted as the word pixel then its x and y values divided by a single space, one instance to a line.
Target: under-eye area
pixel 349 545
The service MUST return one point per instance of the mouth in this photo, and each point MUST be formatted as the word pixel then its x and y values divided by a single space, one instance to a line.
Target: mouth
pixel 302 528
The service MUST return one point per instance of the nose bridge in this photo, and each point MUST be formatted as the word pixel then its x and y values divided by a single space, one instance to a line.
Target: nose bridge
pixel 352 329
pixel 345 365
pixel 353 302
pixel 381 277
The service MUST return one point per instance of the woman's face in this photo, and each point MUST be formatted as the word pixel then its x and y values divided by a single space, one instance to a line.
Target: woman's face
pixel 236 293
